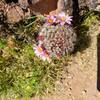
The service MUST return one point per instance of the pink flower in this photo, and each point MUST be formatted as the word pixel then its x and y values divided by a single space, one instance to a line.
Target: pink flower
pixel 45 56
pixel 41 53
pixel 38 51
pixel 50 19
pixel 69 19
pixel 63 19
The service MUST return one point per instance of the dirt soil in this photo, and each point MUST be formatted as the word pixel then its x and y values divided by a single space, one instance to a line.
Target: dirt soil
pixel 80 83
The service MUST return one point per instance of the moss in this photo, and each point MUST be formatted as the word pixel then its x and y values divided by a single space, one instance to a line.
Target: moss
pixel 90 18
pixel 2 43
pixel 28 51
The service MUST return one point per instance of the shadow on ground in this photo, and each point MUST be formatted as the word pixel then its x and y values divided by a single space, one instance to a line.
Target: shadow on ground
pixel 83 38
pixel 98 62
pixel 98 56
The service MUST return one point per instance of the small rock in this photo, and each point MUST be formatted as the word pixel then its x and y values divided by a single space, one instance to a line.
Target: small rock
pixel 70 89
pixel 84 92
pixel 91 4
pixel 15 13
pixel 23 3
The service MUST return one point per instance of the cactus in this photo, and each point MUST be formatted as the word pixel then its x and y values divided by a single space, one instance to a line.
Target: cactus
pixel 57 40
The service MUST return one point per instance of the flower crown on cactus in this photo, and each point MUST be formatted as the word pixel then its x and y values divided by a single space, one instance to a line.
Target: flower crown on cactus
pixel 60 19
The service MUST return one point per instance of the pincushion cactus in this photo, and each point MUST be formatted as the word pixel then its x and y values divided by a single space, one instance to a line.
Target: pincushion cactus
pixel 57 39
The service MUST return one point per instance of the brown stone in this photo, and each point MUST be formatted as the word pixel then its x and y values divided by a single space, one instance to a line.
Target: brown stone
pixel 65 6
pixel 51 6
pixel 47 6
pixel 44 6
pixel 14 13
